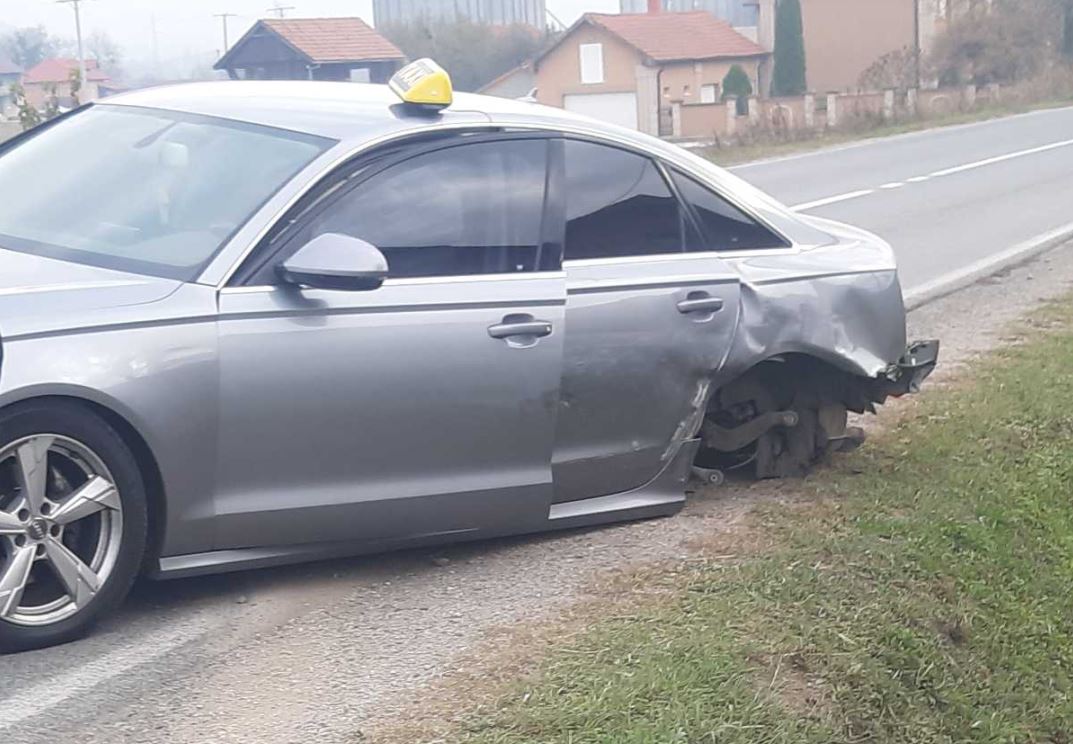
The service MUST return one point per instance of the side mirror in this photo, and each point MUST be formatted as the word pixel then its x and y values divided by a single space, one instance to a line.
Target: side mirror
pixel 334 261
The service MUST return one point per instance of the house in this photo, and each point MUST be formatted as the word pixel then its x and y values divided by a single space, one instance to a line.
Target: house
pixel 345 49
pixel 10 76
pixel 52 78
pixel 492 12
pixel 637 69
pixel 515 83
pixel 843 38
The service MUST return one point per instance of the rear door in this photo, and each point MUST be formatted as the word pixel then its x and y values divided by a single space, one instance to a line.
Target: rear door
pixel 425 407
pixel 648 324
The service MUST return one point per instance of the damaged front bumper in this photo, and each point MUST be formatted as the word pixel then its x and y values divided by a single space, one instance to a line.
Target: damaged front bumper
pixel 905 376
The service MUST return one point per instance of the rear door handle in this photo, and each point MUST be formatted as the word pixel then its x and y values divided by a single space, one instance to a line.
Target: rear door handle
pixel 520 325
pixel 700 305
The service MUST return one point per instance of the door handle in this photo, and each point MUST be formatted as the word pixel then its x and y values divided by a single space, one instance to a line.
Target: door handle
pixel 705 304
pixel 520 325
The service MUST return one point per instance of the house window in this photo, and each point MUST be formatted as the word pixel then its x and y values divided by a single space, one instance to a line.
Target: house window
pixel 359 75
pixel 592 63
pixel 709 93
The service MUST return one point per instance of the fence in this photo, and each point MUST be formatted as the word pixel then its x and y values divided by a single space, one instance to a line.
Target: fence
pixel 720 121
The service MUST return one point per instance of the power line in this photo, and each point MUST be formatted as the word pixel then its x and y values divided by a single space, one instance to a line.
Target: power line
pixel 223 17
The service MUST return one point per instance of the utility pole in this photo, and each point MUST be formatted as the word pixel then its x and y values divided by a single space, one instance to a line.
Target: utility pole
pixel 223 17
pixel 78 34
pixel 280 10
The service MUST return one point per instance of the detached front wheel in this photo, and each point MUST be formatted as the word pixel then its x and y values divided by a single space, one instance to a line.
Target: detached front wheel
pixel 72 523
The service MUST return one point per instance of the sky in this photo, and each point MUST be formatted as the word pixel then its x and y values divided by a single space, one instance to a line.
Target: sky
pixel 187 33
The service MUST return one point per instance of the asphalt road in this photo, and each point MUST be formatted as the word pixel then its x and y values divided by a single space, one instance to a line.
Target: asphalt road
pixel 314 653
pixel 944 198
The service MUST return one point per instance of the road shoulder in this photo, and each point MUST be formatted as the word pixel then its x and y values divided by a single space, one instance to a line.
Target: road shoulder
pixel 724 525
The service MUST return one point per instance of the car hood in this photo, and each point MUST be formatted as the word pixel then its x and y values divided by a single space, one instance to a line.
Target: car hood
pixel 36 292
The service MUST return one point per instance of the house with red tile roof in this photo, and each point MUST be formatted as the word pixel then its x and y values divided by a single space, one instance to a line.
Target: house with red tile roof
pixel 638 69
pixel 53 77
pixel 345 49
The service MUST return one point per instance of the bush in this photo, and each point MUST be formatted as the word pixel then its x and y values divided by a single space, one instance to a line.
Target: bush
pixel 1014 41
pixel 738 86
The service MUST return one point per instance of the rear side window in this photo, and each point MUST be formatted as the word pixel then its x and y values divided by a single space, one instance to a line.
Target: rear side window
pixel 471 209
pixel 617 204
pixel 726 228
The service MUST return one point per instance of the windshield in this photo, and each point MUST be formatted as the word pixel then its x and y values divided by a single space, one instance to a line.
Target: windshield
pixel 142 190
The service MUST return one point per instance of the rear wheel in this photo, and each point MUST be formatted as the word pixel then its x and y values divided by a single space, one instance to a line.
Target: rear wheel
pixel 72 523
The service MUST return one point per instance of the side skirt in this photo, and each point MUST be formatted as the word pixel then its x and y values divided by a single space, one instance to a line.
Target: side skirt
pixel 663 496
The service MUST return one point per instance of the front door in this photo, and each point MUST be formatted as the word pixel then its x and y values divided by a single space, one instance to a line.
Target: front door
pixel 647 324
pixel 426 407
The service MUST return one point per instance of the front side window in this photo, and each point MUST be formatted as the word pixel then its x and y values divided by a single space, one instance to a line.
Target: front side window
pixel 617 204
pixel 142 190
pixel 471 209
pixel 726 228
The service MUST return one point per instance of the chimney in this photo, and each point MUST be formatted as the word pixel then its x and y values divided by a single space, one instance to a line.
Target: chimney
pixel 655 6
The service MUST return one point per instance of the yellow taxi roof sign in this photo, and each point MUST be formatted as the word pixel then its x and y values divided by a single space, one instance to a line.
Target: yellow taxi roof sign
pixel 423 83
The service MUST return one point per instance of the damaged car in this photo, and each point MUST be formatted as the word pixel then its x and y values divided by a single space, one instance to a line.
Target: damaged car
pixel 251 323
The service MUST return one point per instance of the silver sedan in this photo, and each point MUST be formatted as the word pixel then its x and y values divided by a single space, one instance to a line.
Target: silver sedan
pixel 246 324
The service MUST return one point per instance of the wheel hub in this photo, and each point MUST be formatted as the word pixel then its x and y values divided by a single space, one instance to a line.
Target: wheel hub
pixel 37 529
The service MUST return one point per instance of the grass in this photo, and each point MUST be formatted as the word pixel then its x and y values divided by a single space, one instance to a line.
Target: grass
pixel 921 591
pixel 747 152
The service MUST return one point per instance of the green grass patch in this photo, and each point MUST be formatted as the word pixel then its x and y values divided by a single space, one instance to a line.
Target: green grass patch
pixel 921 592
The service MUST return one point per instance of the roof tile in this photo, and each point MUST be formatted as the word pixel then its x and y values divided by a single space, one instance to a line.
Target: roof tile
pixel 334 39
pixel 58 70
pixel 668 37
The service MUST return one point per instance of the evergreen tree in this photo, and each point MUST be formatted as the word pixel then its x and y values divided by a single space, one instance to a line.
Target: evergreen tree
pixel 788 78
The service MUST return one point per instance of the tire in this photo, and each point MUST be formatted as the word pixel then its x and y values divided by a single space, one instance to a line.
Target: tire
pixel 86 545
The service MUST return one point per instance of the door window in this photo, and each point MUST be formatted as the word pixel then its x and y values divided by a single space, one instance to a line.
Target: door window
pixel 618 204
pixel 471 209
pixel 726 228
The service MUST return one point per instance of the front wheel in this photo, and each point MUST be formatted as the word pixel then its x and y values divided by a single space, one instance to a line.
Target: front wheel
pixel 72 523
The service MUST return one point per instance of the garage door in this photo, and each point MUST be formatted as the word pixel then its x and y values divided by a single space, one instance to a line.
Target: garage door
pixel 616 108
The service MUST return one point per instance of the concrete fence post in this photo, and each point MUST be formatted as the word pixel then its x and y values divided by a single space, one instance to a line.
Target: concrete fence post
pixel 731 117
pixel 676 119
pixel 911 101
pixel 810 111
pixel 970 96
pixel 888 104
pixel 754 111
pixel 995 92
pixel 832 109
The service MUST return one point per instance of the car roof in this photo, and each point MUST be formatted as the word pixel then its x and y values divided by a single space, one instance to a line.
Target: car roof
pixel 343 111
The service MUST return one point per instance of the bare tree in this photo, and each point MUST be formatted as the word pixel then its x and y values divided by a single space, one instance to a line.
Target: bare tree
pixel 28 46
pixel 105 52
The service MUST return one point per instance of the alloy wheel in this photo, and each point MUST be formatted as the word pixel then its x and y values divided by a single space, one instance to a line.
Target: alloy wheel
pixel 61 525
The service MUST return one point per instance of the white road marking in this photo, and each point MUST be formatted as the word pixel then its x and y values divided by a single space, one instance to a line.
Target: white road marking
pixel 937 174
pixel 36 699
pixel 1001 159
pixel 831 200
